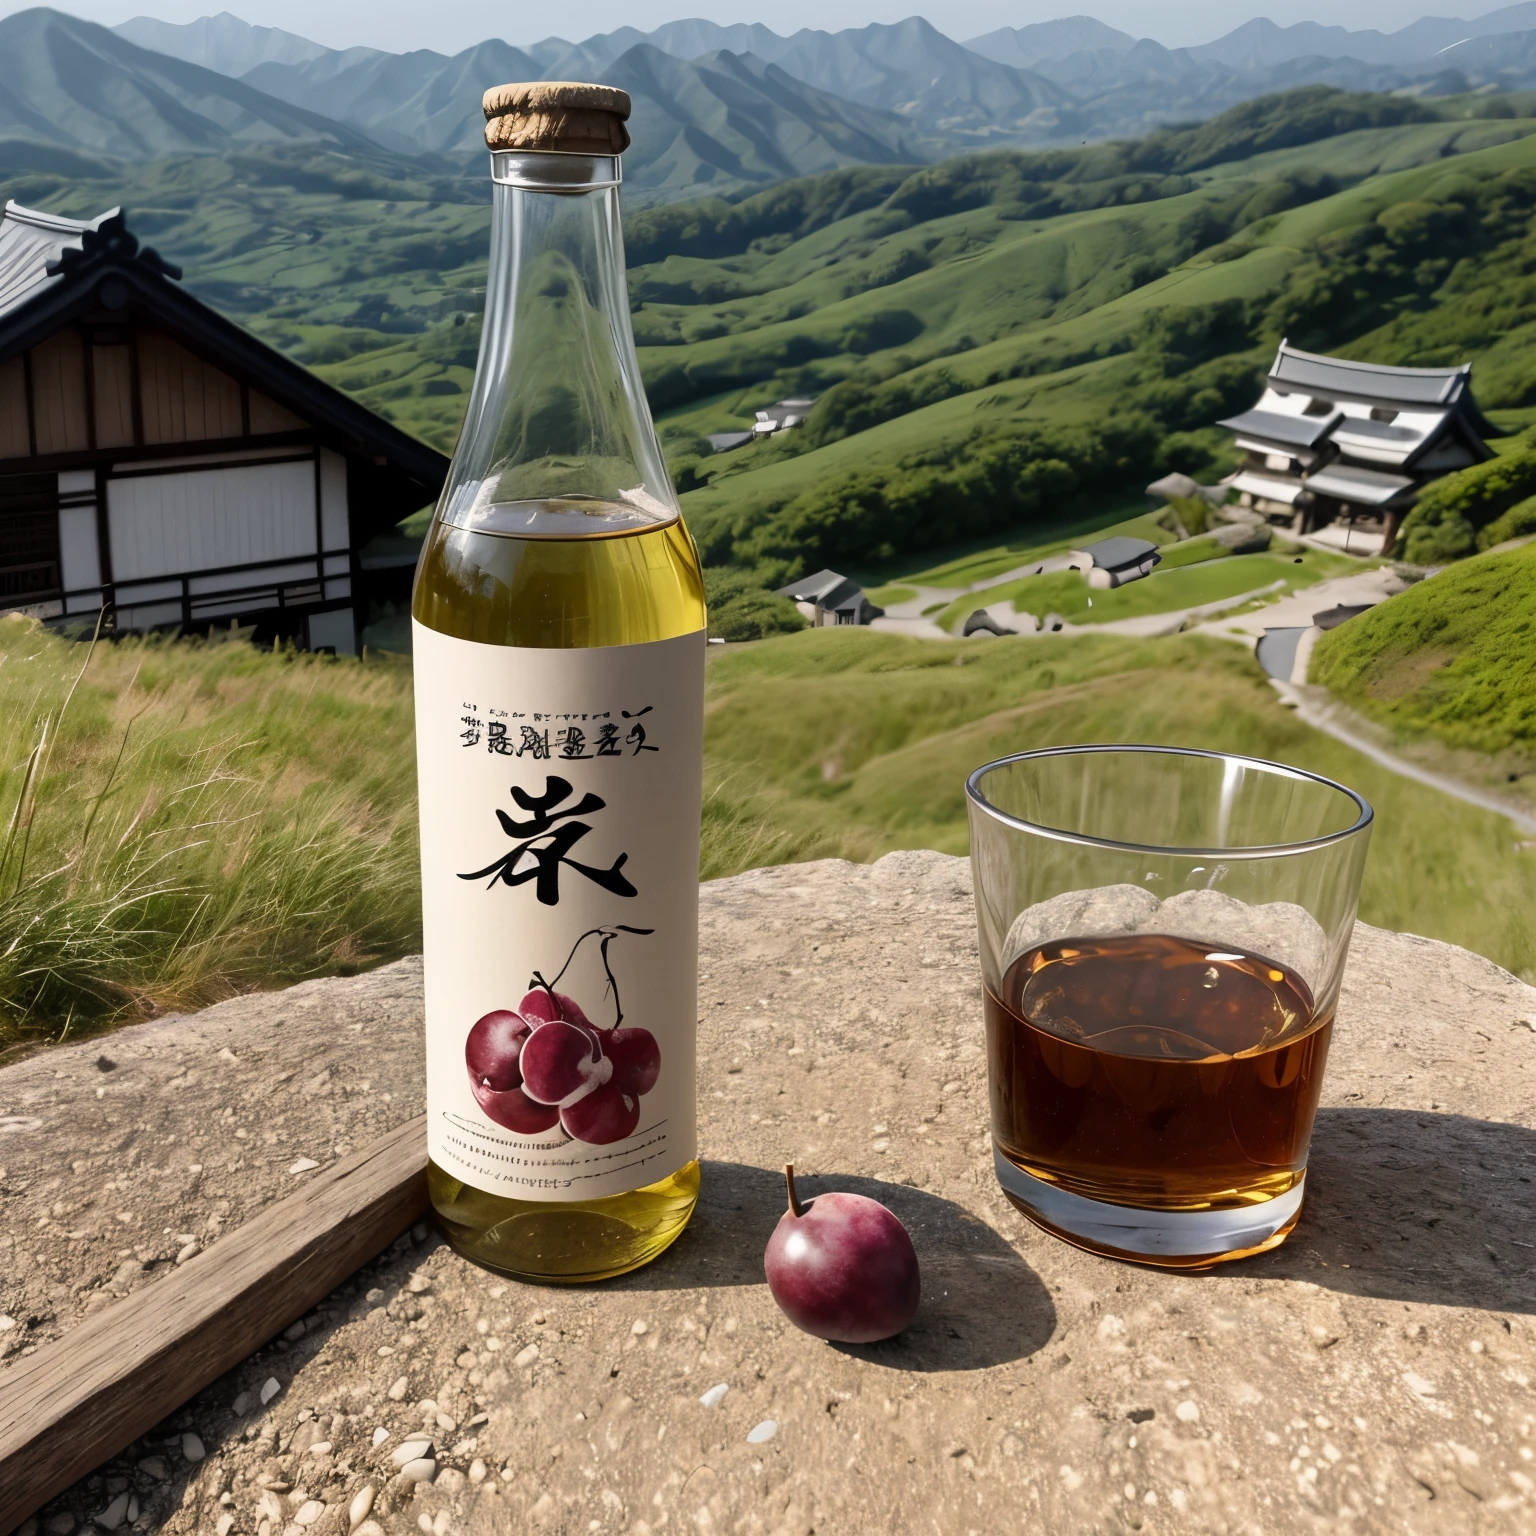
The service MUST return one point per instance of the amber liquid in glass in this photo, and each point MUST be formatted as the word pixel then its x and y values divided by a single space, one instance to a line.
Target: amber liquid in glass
pixel 599 589
pixel 1155 1072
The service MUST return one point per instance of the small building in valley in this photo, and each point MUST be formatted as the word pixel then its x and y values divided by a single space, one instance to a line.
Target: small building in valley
pixel 782 415
pixel 161 464
pixel 1114 561
pixel 778 417
pixel 1331 440
pixel 831 598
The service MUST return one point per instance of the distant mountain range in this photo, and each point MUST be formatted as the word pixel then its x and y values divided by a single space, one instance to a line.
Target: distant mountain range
pixel 717 108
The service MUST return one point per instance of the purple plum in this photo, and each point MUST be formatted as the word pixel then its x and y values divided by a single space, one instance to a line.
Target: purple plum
pixel 606 1115
pixel 636 1058
pixel 562 1062
pixel 842 1267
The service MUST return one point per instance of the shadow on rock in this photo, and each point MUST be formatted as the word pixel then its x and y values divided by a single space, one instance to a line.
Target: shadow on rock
pixel 982 1304
pixel 1412 1205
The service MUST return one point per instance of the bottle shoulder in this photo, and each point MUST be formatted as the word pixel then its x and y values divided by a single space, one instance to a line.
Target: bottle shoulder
pixel 619 588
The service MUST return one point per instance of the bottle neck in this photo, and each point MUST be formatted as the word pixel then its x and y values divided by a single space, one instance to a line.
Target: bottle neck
pixel 557 440
pixel 543 171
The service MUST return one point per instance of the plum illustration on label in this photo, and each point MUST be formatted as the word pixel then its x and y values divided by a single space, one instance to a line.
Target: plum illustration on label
pixel 545 1063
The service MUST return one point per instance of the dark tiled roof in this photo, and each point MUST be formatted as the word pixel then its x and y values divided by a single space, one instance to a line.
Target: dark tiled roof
pixel 30 242
pixel 1112 554
pixel 816 588
pixel 1348 483
pixel 1281 429
pixel 1339 378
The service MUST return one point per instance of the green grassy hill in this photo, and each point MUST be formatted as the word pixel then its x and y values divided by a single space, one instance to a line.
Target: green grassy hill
pixel 1089 304
pixel 1453 658
pixel 1078 352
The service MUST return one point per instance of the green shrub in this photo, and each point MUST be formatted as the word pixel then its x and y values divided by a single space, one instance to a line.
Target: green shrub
pixel 885 328
pixel 741 608
pixel 1444 526
pixel 1518 521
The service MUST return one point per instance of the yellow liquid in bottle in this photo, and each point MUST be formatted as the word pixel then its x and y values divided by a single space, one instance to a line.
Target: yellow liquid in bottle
pixel 619 588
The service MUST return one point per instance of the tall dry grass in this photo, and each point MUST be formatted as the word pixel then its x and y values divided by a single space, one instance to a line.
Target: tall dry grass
pixel 183 820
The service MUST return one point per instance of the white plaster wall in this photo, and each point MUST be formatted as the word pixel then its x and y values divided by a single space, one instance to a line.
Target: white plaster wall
pixel 161 524
pixel 78 552
pixel 333 499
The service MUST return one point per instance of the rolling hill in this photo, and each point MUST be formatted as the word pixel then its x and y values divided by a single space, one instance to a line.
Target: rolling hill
pixel 992 337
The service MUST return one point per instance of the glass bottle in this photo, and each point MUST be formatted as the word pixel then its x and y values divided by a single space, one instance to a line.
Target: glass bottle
pixel 559 632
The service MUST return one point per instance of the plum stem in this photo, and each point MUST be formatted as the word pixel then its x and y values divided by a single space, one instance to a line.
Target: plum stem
pixel 794 1199
pixel 608 936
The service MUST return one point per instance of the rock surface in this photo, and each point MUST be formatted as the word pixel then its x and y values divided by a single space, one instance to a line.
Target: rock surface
pixel 1374 1373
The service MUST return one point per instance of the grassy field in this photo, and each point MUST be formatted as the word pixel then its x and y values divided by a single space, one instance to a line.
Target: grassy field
pixel 1190 585
pixel 185 821
pixel 987 558
pixel 874 755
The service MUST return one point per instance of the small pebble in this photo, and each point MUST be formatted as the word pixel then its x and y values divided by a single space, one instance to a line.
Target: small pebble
pixel 711 1399
pixel 112 1516
pixel 1188 1412
pixel 477 1471
pixel 153 1466
pixel 640 1328
pixel 192 1447
pixel 309 1512
pixel 269 1389
pixel 6 1323
pixel 419 1285
pixel 446 1422
pixel 226 1523
pixel 369 1528
pixel 422 1470
pixel 413 1449
pixel 380 1435
pixel 302 1165
pixel 762 1433
pixel 399 1389
pixel 320 1448
pixel 60 1524
pixel 241 1405
pixel 294 1331
pixel 362 1504
pixel 189 1251
pixel 527 1355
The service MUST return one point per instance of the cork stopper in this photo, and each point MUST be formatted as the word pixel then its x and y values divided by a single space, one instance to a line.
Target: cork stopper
pixel 558 115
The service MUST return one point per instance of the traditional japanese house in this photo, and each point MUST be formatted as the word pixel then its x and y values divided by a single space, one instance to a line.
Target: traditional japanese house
pixel 1331 439
pixel 829 597
pixel 1114 561
pixel 161 463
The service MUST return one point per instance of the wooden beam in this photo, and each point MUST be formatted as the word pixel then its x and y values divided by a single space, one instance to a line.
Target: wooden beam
pixel 80 1400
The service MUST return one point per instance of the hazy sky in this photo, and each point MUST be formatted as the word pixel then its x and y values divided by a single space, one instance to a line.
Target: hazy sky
pixel 448 25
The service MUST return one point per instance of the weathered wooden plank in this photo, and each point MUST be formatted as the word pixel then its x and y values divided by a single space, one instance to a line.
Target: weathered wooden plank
pixel 84 1397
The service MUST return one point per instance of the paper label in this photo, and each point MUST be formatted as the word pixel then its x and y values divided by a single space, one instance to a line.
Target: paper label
pixel 560 794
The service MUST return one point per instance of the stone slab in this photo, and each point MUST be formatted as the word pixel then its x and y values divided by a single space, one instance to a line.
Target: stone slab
pixel 1374 1374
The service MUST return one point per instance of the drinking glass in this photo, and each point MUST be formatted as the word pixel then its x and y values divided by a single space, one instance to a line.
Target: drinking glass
pixel 1163 933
